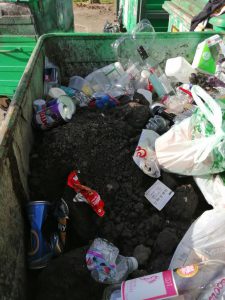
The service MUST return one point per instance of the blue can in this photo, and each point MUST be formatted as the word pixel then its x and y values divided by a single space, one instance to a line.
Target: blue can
pixel 40 252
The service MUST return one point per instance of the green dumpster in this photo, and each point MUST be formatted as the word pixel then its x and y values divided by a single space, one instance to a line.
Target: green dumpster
pixel 73 53
pixel 30 17
pixel 135 10
pixel 182 12
pixel 15 52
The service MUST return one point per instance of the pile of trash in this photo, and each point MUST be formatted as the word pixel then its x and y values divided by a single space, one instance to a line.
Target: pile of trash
pixel 125 160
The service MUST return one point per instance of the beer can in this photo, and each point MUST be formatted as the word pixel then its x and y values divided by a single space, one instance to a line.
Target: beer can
pixel 40 252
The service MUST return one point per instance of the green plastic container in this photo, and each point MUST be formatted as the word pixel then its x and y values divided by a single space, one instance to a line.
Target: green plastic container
pixel 135 10
pixel 79 53
pixel 181 12
pixel 38 17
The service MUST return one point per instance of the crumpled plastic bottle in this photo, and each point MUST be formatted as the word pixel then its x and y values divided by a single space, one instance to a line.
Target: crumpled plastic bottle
pixel 105 263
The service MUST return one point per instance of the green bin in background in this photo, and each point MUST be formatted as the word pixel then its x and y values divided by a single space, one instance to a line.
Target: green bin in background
pixel 135 10
pixel 15 51
pixel 36 17
pixel 181 13
pixel 29 18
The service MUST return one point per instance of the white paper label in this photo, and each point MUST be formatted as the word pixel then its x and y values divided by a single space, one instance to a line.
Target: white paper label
pixel 156 286
pixel 159 194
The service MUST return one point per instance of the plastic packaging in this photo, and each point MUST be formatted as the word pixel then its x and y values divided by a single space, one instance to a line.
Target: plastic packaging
pixel 196 145
pixel 90 196
pixel 127 81
pixel 145 156
pixel 158 79
pixel 80 84
pixel 158 124
pixel 56 92
pixel 143 26
pixel 146 94
pixel 179 68
pixel 176 104
pixel 130 42
pixel 160 110
pixel 79 98
pixel 184 115
pixel 204 240
pixel 51 76
pixel 213 188
pixel 103 79
pixel 101 100
pixel 143 81
pixel 207 54
pixel 190 281
pixel 105 263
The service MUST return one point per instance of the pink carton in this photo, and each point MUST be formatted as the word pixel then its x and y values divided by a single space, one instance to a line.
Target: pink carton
pixel 151 287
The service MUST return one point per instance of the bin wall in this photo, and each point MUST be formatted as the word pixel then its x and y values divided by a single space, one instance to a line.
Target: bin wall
pixel 16 134
pixel 75 54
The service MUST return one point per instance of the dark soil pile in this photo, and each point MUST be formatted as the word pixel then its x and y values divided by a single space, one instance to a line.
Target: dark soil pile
pixel 100 144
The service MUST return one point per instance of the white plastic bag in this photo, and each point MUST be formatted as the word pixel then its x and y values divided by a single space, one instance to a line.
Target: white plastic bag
pixel 196 146
pixel 204 240
pixel 213 188
pixel 145 156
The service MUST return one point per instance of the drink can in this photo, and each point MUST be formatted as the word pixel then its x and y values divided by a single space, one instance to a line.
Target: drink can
pixel 40 251
pixel 39 105
pixel 57 111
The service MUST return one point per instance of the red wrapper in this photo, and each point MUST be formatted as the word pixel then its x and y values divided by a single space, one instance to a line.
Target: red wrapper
pixel 92 197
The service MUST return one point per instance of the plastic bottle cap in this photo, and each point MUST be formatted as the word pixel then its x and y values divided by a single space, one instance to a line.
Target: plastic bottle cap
pixel 134 263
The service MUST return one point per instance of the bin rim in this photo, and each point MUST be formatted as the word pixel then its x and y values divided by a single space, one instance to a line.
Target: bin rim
pixel 9 123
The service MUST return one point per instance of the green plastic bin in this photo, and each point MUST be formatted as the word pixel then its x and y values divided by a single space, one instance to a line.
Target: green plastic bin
pixel 15 52
pixel 181 12
pixel 30 17
pixel 135 10
pixel 73 53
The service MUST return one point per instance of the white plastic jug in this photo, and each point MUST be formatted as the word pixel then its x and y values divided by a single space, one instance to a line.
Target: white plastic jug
pixel 179 68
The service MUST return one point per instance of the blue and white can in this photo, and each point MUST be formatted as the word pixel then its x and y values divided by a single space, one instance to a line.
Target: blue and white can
pixel 40 252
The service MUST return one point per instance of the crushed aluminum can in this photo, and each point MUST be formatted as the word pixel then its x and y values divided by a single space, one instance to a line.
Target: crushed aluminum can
pixel 40 252
pixel 57 111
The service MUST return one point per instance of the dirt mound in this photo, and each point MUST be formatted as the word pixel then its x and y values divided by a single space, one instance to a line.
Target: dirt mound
pixel 100 145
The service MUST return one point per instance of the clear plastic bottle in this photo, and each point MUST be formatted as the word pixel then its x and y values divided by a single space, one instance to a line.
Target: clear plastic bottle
pixel 102 79
pixel 143 81
pixel 130 75
pixel 105 263
pixel 158 79
pixel 191 281
pixel 123 267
